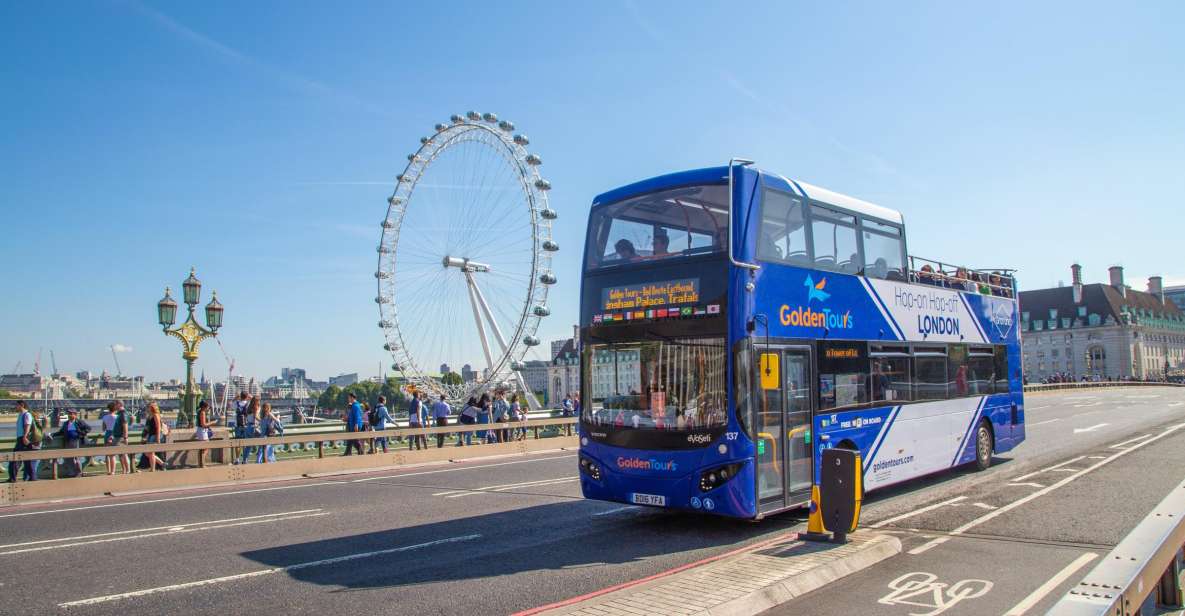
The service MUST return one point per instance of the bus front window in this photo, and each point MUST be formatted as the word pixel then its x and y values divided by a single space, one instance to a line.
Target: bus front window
pixel 660 225
pixel 657 385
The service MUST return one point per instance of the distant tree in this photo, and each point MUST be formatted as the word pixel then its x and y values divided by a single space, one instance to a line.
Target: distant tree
pixel 4 393
pixel 328 398
pixel 452 378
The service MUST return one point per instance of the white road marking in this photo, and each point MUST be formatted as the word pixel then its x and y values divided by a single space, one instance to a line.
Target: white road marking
pixel 1043 422
pixel 1079 406
pixel 1096 457
pixel 149 530
pixel 1045 470
pixel 1028 483
pixel 262 572
pixel 617 510
pixel 504 485
pixel 1037 595
pixel 1176 403
pixel 507 488
pixel 920 589
pixel 171 531
pixel 984 506
pixel 1129 441
pixel 1090 429
pixel 1066 470
pixel 1033 408
pixel 1042 492
pixel 236 492
pixel 910 514
pixel 451 470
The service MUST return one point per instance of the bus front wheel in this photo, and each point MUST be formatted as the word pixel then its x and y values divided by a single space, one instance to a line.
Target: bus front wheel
pixel 983 447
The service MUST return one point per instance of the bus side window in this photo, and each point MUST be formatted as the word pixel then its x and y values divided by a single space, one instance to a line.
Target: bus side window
pixel 929 368
pixel 742 378
pixel 1001 369
pixel 843 374
pixel 957 373
pixel 891 380
pixel 782 236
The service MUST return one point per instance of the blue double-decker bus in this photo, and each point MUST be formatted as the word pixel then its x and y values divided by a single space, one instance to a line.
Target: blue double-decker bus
pixel 735 323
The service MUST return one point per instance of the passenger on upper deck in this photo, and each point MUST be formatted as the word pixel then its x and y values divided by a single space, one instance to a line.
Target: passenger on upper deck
pixel 625 250
pixel 662 244
pixel 926 276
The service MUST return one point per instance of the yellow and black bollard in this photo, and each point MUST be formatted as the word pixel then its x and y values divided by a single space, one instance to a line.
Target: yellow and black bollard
pixel 836 499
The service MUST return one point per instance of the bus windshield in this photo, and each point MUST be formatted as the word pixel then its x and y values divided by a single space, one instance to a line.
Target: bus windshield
pixel 659 225
pixel 657 385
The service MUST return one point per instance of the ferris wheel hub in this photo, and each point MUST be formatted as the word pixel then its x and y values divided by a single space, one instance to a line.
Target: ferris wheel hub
pixel 464 264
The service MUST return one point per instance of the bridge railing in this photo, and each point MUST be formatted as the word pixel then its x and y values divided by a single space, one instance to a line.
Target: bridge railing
pixel 527 436
pixel 1036 388
pixel 1142 575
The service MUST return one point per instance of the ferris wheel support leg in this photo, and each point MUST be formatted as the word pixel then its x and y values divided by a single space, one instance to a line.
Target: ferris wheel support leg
pixel 485 308
pixel 474 299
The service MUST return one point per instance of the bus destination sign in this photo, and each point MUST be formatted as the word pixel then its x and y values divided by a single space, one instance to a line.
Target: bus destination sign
pixel 651 295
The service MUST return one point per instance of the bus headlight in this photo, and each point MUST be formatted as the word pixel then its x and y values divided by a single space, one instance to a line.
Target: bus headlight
pixel 590 468
pixel 715 477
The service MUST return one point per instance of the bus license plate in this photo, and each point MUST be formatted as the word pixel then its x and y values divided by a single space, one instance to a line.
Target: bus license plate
pixel 656 500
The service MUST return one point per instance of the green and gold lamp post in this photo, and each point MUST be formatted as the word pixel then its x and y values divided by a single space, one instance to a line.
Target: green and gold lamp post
pixel 191 335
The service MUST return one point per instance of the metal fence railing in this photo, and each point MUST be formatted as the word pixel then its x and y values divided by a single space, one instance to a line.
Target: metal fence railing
pixel 320 452
pixel 1096 385
pixel 1142 575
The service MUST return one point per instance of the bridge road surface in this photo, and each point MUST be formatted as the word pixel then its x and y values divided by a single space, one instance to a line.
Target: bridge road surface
pixel 1017 537
pixel 501 535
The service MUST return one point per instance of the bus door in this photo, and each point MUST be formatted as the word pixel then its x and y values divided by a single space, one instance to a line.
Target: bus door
pixel 783 427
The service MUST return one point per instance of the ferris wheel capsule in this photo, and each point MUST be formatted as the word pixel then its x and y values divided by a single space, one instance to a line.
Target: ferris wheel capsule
pixel 548 214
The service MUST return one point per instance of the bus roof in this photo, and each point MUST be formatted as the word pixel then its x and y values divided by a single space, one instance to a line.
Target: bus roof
pixel 711 175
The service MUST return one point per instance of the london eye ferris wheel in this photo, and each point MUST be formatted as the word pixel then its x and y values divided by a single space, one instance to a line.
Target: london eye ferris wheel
pixel 464 263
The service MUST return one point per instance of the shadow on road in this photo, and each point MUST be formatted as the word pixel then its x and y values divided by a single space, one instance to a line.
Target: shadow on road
pixel 550 537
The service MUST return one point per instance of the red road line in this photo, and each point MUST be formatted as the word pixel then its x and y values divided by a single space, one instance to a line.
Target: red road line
pixel 669 572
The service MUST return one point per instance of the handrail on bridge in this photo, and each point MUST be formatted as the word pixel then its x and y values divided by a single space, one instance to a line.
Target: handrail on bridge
pixel 1143 571
pixel 1039 387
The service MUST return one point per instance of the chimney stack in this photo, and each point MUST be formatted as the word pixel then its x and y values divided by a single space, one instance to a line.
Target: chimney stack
pixel 1156 287
pixel 1116 272
pixel 1076 276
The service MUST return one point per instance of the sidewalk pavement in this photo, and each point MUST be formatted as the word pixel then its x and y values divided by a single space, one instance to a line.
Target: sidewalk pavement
pixel 747 581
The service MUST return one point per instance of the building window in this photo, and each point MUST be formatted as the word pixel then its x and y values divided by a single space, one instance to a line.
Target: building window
pixel 1096 360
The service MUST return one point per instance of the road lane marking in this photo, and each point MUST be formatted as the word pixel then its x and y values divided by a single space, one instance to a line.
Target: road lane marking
pixel 451 470
pixel 1042 492
pixel 1037 595
pixel 149 530
pixel 910 514
pixel 1033 408
pixel 1129 441
pixel 1096 457
pixel 236 492
pixel 1029 484
pixel 1090 429
pixel 919 589
pixel 984 506
pixel 1176 403
pixel 1066 470
pixel 1047 469
pixel 171 531
pixel 617 510
pixel 529 484
pixel 1080 406
pixel 262 572
pixel 1033 425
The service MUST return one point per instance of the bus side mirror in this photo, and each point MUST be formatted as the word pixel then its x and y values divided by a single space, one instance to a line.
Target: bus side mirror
pixel 751 325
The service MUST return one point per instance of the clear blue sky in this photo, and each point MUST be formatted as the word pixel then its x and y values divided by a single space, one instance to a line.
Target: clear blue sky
pixel 258 142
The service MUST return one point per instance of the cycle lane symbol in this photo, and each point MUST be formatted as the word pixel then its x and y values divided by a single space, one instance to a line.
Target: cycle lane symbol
pixel 921 589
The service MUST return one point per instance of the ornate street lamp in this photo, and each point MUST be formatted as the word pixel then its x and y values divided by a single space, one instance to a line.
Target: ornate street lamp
pixel 190 333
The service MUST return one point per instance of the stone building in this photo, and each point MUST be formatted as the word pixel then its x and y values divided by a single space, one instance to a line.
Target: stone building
pixel 1101 330
pixel 563 375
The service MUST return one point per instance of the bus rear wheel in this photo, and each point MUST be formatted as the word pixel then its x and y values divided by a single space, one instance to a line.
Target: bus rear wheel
pixel 983 447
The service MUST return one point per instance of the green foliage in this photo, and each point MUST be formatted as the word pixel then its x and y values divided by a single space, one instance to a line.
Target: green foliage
pixel 4 393
pixel 328 398
pixel 452 378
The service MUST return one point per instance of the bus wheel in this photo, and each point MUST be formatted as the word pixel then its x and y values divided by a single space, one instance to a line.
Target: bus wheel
pixel 983 447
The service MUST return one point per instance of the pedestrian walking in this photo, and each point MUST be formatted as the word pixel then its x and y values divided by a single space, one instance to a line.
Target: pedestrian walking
pixel 567 406
pixel 440 412
pixel 501 413
pixel 107 419
pixel 120 428
pixel 467 417
pixel 484 415
pixel 73 434
pixel 517 415
pixel 416 415
pixel 28 438
pixel 202 431
pixel 250 426
pixel 269 426
pixel 242 405
pixel 154 432
pixel 355 422
pixel 382 420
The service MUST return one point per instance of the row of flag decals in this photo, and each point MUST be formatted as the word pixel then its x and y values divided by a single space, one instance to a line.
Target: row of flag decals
pixel 655 313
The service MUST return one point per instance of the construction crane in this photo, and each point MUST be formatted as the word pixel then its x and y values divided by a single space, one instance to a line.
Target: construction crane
pixel 37 364
pixel 115 356
pixel 17 368
pixel 54 362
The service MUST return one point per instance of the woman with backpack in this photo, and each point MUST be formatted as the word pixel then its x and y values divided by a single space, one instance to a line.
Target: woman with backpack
pixel 467 417
pixel 250 429
pixel 380 421
pixel 483 417
pixel 269 426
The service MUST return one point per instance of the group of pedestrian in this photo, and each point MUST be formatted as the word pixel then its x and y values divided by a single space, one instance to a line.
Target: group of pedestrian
pixel 984 283
pixel 254 419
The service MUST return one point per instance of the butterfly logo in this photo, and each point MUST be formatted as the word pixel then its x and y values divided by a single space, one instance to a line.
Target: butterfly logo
pixel 815 291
